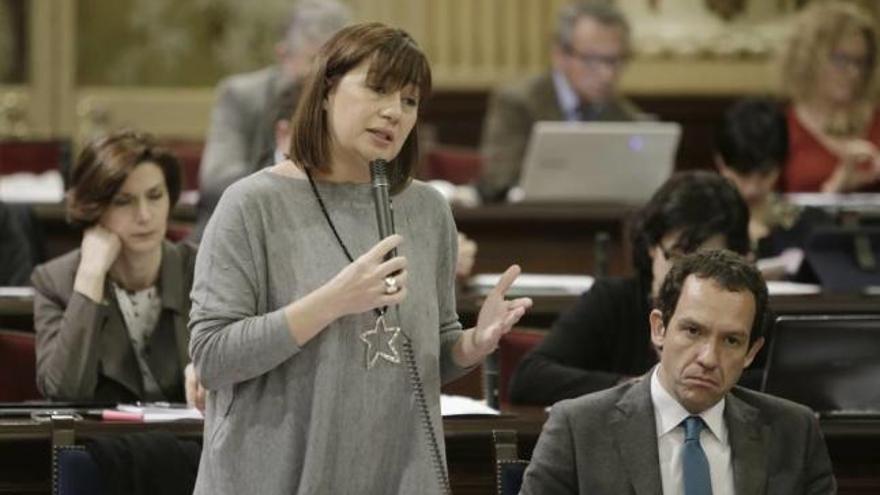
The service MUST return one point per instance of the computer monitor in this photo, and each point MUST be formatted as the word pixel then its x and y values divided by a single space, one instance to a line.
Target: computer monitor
pixel 605 162
pixel 829 363
pixel 845 259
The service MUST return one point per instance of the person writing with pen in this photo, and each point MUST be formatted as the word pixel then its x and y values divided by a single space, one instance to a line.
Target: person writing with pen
pixel 324 360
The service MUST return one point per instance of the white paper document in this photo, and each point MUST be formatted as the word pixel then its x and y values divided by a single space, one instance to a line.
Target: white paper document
pixel 31 188
pixel 457 405
pixel 782 288
pixel 534 284
pixel 157 413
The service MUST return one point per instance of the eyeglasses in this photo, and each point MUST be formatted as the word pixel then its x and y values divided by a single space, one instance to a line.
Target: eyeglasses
pixel 595 61
pixel 843 61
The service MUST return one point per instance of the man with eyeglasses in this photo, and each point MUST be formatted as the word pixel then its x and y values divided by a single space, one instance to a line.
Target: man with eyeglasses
pixel 590 49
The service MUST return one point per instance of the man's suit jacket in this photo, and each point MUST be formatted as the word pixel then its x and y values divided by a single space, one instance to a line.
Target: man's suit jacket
pixel 241 137
pixel 512 112
pixel 83 348
pixel 606 443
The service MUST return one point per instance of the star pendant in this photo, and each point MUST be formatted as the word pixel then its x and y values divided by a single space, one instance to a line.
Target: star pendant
pixel 378 339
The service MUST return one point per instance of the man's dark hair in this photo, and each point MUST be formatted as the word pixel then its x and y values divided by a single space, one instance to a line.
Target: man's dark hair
pixel 729 270
pixel 699 205
pixel 753 136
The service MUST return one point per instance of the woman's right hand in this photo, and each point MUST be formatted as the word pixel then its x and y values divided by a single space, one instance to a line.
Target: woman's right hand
pixel 357 288
pixel 859 166
pixel 99 249
pixel 361 286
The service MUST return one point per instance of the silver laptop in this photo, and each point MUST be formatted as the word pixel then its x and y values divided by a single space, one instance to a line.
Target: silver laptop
pixel 619 162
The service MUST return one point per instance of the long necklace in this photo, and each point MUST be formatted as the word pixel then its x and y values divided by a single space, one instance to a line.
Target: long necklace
pixel 379 340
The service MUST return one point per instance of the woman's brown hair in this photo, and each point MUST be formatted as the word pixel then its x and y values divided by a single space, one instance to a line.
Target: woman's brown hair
pixel 396 62
pixel 105 163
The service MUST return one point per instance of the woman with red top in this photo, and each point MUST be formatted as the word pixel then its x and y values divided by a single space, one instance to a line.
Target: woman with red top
pixel 834 125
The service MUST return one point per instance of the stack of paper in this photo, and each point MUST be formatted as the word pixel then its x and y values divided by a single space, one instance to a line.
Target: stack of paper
pixel 31 188
pixel 161 412
pixel 534 284
pixel 782 288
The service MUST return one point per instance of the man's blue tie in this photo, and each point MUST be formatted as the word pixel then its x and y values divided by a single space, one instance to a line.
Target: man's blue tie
pixel 694 464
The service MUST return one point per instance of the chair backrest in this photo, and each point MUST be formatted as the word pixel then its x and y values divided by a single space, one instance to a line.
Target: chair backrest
pixel 34 157
pixel 509 468
pixel 177 232
pixel 18 367
pixel 75 472
pixel 456 165
pixel 189 153
pixel 512 347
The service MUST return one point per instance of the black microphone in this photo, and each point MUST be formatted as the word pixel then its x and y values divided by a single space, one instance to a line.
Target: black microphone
pixel 379 180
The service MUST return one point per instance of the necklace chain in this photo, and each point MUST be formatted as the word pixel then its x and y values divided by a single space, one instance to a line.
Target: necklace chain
pixel 379 312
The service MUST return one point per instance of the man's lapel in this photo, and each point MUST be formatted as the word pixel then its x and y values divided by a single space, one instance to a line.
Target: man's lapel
pixel 635 433
pixel 749 442
pixel 546 101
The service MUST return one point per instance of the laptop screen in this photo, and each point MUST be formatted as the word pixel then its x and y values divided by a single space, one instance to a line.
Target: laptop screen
pixel 829 363
pixel 617 162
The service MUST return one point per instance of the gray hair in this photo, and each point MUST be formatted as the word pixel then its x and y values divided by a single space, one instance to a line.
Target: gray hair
pixel 312 22
pixel 602 11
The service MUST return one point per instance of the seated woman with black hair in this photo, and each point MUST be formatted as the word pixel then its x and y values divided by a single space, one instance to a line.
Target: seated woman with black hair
pixel 604 338
pixel 111 317
pixel 752 147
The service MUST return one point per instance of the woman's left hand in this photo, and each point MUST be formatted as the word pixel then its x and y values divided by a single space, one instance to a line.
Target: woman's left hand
pixel 497 316
pixel 195 393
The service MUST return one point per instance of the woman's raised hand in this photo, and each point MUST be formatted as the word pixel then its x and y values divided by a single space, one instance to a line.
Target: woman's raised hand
pixel 99 249
pixel 370 282
pixel 498 314
pixel 859 166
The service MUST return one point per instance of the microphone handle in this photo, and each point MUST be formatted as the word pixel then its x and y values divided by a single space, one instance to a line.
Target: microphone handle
pixel 383 215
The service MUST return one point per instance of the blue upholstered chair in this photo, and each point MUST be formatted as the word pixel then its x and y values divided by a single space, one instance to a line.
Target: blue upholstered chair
pixel 509 468
pixel 74 472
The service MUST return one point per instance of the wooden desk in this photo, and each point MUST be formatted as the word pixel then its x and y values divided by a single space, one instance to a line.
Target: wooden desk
pixel 542 238
pixel 17 311
pixel 26 446
pixel 547 308
pixel 25 449
pixel 60 237
pixel 547 238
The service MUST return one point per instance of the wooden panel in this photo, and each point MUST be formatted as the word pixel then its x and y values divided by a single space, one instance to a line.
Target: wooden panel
pixel 25 455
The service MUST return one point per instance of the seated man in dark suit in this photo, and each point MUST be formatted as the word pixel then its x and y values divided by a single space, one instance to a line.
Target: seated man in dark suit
pixel 241 134
pixel 590 49
pixel 684 426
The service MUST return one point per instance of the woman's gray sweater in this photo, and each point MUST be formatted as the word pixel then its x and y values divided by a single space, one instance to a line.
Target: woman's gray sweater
pixel 284 419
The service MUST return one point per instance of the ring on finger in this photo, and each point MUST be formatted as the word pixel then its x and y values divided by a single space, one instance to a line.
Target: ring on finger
pixel 391 286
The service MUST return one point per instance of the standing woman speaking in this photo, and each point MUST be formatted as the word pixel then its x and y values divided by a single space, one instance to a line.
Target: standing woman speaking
pixel 315 386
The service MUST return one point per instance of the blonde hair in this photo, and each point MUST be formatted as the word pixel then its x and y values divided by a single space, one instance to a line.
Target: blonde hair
pixel 815 33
